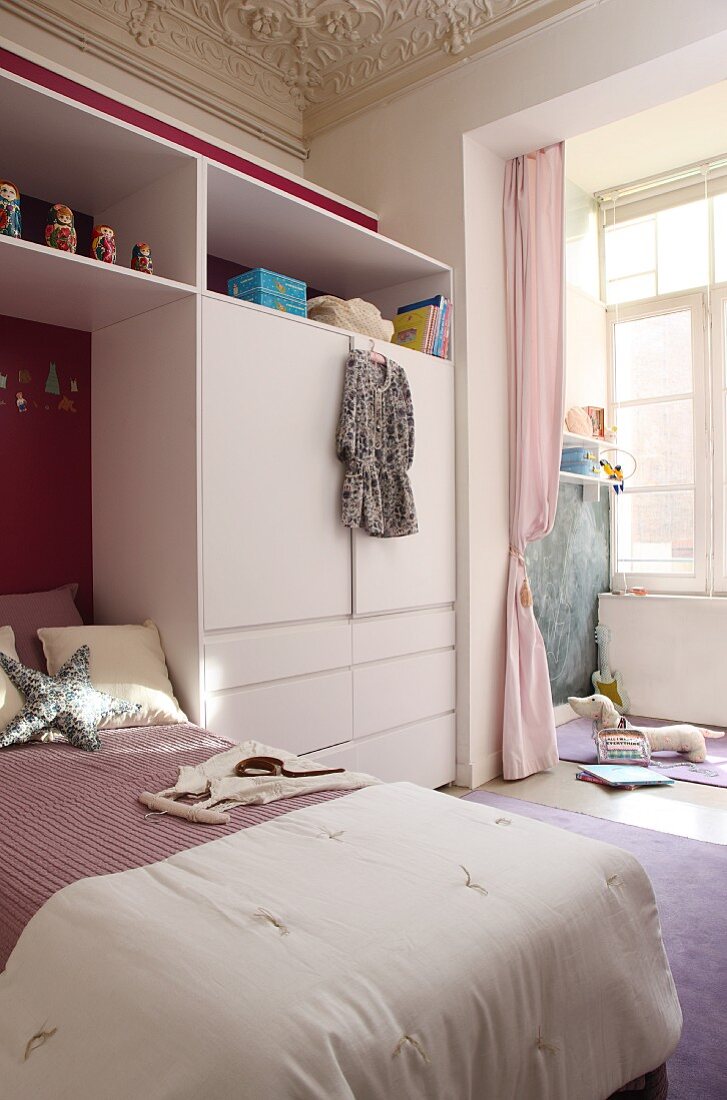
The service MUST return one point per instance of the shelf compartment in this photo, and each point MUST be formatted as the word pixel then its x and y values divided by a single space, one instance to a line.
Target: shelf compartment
pixel 591 485
pixel 63 152
pixel 257 226
pixel 56 288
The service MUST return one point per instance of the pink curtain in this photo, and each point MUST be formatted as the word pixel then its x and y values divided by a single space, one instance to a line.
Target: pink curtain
pixel 534 259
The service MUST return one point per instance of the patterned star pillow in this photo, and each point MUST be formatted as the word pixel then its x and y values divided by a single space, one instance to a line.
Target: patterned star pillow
pixel 67 701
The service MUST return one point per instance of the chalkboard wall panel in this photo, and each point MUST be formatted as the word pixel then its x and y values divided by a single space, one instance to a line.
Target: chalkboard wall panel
pixel 567 570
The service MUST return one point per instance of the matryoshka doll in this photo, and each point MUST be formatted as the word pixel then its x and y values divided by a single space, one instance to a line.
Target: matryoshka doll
pixel 103 244
pixel 141 258
pixel 10 223
pixel 60 231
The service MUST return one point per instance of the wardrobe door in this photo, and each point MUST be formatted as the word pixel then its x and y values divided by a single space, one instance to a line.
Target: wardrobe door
pixel 274 548
pixel 417 570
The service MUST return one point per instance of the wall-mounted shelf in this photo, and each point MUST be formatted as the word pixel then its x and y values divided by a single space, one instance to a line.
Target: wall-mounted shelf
pixel 57 288
pixel 571 439
pixel 591 483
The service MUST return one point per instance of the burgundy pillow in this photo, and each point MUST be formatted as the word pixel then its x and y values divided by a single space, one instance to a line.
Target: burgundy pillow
pixel 27 613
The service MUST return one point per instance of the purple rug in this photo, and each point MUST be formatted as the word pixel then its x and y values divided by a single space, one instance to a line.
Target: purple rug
pixel 689 880
pixel 575 743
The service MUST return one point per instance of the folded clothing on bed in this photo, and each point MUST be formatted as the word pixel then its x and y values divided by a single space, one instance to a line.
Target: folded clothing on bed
pixel 67 815
pixel 219 779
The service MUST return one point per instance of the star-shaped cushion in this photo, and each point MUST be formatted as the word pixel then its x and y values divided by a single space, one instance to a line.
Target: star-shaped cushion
pixel 68 701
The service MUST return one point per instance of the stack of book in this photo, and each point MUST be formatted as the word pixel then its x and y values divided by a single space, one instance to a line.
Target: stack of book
pixel 425 326
pixel 626 776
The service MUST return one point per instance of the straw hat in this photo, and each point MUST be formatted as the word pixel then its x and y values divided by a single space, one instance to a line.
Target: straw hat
pixel 356 315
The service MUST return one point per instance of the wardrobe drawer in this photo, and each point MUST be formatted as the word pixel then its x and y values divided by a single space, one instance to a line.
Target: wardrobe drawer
pixel 340 756
pixel 423 754
pixel 262 655
pixel 398 635
pixel 396 693
pixel 297 715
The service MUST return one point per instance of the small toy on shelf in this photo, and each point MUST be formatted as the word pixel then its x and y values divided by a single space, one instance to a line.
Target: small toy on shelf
pixel 60 230
pixel 10 220
pixel 614 474
pixel 103 244
pixel 141 258
pixel 614 471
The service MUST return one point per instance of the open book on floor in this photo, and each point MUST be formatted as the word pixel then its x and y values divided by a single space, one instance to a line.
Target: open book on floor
pixel 623 775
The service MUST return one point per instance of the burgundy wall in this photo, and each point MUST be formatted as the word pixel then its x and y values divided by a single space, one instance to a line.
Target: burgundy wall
pixel 45 459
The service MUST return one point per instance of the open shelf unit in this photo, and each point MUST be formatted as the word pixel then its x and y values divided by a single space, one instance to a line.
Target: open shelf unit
pixel 256 226
pixel 230 536
pixel 191 210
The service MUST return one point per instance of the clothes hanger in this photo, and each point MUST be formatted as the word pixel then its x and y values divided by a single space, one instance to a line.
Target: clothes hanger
pixel 374 355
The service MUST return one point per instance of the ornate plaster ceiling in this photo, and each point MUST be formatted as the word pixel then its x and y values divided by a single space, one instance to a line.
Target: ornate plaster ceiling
pixel 286 67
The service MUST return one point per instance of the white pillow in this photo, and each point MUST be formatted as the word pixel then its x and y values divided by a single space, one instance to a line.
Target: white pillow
pixel 11 701
pixel 126 661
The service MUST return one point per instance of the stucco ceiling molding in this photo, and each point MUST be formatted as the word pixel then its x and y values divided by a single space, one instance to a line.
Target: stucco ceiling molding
pixel 192 69
pixel 297 65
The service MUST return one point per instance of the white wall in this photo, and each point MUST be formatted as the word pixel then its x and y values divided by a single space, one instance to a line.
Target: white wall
pixel 586 366
pixel 586 363
pixel 406 160
pixel 581 237
pixel 482 444
pixel 670 651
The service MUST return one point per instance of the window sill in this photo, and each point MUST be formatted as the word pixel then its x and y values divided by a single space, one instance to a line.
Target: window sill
pixel 703 597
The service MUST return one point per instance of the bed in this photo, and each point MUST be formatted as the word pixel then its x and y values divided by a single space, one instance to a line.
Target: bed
pixel 389 941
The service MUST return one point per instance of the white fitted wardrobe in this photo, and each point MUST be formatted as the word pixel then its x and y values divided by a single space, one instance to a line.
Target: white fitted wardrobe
pixel 216 487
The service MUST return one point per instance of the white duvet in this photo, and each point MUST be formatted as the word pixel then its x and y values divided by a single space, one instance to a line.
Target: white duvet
pixel 392 944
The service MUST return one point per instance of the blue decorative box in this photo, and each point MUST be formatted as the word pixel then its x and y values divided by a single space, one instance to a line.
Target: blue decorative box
pixel 276 301
pixel 259 280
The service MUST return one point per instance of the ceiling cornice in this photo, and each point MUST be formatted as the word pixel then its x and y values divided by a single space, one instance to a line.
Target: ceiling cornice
pixel 286 69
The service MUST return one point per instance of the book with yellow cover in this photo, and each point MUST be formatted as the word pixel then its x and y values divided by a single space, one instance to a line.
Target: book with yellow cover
pixel 413 329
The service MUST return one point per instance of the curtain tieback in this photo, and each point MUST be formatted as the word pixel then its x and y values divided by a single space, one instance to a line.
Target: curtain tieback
pixel 526 595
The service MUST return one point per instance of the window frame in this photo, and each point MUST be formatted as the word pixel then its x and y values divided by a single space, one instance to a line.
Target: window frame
pixel 695 302
pixel 718 340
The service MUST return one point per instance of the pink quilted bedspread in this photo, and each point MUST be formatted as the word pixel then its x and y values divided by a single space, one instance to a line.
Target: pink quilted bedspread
pixel 67 814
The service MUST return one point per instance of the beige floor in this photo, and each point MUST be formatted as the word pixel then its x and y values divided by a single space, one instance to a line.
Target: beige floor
pixel 687 809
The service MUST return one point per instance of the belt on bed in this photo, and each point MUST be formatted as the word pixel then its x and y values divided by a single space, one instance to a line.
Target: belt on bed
pixel 270 765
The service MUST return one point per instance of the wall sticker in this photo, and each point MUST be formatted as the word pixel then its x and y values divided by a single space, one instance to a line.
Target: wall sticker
pixel 52 385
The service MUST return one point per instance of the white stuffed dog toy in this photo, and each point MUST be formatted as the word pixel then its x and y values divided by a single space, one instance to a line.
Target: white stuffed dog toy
pixel 682 738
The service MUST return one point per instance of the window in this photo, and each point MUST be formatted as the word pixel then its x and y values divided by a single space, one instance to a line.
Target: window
pixel 719 416
pixel 662 252
pixel 665 282
pixel 658 402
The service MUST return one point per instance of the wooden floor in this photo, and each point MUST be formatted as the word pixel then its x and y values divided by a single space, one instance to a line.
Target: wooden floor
pixel 691 810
